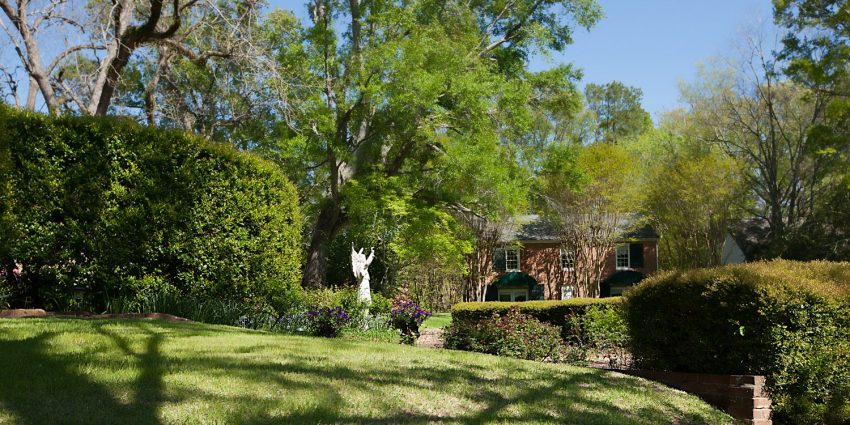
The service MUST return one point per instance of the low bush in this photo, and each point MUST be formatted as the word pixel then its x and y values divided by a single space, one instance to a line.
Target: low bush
pixel 787 320
pixel 5 293
pixel 556 313
pixel 381 305
pixel 406 316
pixel 299 310
pixel 602 331
pixel 513 334
pixel 155 296
pixel 327 322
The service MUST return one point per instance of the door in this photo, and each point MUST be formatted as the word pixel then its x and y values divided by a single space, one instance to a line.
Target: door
pixel 513 295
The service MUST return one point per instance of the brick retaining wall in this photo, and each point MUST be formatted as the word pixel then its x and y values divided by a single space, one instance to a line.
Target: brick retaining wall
pixel 741 396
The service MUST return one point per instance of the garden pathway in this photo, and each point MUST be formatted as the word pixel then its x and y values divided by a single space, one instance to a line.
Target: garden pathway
pixel 430 338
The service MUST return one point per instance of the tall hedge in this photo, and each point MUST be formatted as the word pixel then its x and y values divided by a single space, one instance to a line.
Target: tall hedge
pixel 784 319
pixel 112 206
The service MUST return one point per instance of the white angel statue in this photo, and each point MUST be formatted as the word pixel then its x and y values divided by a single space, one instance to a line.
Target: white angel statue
pixel 360 267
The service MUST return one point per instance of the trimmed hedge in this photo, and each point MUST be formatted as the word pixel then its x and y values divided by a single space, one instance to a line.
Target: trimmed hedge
pixel 784 319
pixel 112 206
pixel 555 313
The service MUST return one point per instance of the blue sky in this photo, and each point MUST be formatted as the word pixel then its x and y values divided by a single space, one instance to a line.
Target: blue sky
pixel 651 44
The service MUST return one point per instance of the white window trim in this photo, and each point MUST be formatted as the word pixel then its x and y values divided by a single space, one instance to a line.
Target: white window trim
pixel 518 261
pixel 561 259
pixel 628 257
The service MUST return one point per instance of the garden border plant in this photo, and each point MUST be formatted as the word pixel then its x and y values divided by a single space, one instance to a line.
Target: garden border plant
pixel 482 326
pixel 559 313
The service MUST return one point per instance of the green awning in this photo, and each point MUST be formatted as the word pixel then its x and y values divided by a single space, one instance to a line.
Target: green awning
pixel 625 278
pixel 515 279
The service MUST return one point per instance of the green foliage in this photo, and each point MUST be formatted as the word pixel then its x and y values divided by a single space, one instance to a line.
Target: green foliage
pixel 408 114
pixel 152 295
pixel 823 235
pixel 816 53
pixel 381 305
pixel 406 316
pixel 784 319
pixel 327 322
pixel 603 329
pixel 371 327
pixel 691 193
pixel 512 334
pixel 617 110
pixel 115 207
pixel 816 43
pixel 556 313
pixel 5 293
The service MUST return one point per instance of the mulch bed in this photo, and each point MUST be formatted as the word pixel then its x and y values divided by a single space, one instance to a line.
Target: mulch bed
pixel 37 312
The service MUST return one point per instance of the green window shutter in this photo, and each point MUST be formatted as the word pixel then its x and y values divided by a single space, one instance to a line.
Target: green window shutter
pixel 636 255
pixel 499 261
pixel 537 292
pixel 492 293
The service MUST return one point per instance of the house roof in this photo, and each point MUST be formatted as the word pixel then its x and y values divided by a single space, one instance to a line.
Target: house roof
pixel 752 236
pixel 534 228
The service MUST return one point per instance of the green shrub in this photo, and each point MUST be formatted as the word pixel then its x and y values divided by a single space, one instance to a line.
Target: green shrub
pixel 381 305
pixel 109 205
pixel 557 313
pixel 787 320
pixel 5 293
pixel 514 334
pixel 153 295
pixel 603 331
pixel 327 322
pixel 407 316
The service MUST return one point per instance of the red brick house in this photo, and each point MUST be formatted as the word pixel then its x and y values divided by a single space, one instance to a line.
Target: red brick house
pixel 531 264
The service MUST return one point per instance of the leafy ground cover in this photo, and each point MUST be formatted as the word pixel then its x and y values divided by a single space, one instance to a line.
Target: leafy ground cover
pixel 136 371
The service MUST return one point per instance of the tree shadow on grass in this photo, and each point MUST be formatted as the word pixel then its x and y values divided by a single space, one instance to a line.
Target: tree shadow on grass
pixel 41 384
pixel 41 387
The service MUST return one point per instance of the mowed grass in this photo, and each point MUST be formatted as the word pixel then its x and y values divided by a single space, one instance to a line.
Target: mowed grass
pixel 437 321
pixel 64 371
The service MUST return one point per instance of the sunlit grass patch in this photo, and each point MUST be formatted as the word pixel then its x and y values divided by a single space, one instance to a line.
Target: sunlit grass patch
pixel 104 372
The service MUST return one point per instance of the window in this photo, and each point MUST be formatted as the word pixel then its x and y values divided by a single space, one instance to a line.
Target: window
pixel 623 257
pixel 506 260
pixel 568 260
pixel 513 295
pixel 512 260
pixel 617 291
pixel 566 292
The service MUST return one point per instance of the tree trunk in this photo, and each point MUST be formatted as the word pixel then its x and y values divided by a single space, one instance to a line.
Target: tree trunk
pixel 329 222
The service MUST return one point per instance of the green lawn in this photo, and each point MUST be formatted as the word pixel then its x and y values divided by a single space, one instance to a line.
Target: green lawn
pixel 437 321
pixel 111 372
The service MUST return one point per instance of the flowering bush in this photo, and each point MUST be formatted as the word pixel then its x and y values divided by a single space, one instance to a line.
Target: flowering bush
pixel 406 316
pixel 327 322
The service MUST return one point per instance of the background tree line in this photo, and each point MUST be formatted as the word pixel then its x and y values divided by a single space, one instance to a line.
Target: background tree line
pixel 417 127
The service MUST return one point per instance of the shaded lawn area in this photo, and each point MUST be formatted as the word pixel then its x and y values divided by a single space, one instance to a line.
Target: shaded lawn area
pixel 437 321
pixel 105 371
